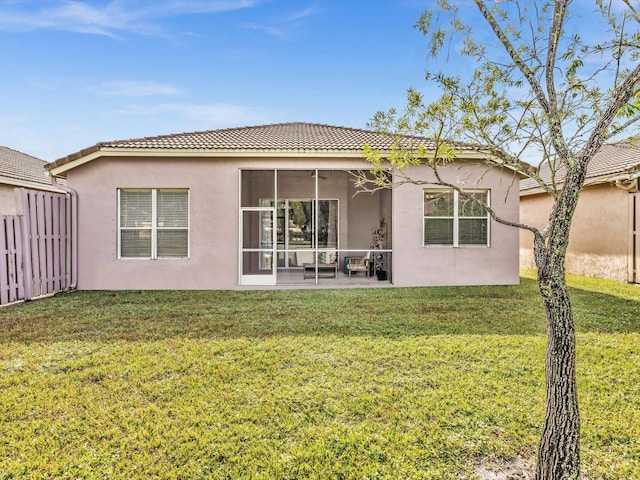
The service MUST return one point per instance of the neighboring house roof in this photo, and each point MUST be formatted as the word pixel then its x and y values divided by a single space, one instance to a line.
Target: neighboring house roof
pixel 22 170
pixel 285 139
pixel 616 161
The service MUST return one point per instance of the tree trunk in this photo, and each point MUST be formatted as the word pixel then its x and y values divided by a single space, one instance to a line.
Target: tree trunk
pixel 559 449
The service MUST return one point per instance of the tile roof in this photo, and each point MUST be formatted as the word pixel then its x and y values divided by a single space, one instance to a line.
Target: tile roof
pixel 613 159
pixel 20 166
pixel 279 137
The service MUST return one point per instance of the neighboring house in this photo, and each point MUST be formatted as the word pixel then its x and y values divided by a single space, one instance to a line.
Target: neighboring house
pixel 258 205
pixel 17 170
pixel 37 257
pixel 605 232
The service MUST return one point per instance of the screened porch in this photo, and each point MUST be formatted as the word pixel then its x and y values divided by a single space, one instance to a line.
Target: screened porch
pixel 309 227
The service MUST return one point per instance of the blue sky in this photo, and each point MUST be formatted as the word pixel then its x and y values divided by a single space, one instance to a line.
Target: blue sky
pixel 78 72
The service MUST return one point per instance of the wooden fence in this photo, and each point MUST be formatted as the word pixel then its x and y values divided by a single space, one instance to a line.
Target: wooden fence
pixel 35 247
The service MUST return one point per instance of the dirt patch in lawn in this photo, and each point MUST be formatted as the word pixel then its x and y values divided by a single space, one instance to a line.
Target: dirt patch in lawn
pixel 515 469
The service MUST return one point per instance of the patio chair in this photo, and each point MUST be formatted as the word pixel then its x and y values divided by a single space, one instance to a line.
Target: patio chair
pixel 359 264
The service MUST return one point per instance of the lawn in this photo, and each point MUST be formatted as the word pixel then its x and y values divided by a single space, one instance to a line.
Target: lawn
pixel 354 383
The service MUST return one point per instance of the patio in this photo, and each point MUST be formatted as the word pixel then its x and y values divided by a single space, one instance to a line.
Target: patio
pixel 294 278
pixel 300 226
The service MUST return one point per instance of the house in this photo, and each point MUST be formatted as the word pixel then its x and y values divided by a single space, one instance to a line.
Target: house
pixel 605 232
pixel 278 205
pixel 19 170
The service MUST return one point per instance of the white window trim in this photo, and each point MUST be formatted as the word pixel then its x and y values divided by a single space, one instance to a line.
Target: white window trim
pixel 154 226
pixel 456 218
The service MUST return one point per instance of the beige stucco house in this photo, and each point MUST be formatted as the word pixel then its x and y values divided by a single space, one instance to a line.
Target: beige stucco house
pixel 19 170
pixel 277 205
pixel 605 236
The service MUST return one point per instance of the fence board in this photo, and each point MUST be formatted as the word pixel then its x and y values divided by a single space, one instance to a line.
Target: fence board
pixel 47 198
pixel 13 264
pixel 26 247
pixel 55 231
pixel 35 247
pixel 4 261
pixel 41 241
pixel 10 259
pixel 17 223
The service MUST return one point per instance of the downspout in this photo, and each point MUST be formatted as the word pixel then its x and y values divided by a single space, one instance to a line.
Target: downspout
pixel 627 185
pixel 74 231
pixel 630 185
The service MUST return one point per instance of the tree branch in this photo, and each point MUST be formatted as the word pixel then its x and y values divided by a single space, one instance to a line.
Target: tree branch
pixel 620 96
pixel 633 12
pixel 368 185
pixel 515 56
pixel 555 32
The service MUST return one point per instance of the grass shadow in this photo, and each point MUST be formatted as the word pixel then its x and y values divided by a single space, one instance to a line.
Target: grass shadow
pixel 394 312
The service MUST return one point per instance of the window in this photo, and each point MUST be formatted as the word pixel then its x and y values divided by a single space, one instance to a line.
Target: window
pixel 455 220
pixel 153 223
pixel 296 226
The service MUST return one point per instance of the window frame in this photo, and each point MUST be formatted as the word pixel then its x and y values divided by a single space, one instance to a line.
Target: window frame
pixel 456 217
pixel 154 228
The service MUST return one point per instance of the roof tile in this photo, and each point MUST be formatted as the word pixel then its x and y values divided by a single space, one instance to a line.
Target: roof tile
pixel 280 136
pixel 612 159
pixel 275 138
pixel 20 166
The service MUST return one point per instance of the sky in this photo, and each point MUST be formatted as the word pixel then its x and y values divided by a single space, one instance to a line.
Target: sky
pixel 75 73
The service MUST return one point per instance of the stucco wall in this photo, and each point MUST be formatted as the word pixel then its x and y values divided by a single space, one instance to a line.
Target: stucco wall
pixel 363 217
pixel 599 239
pixel 9 204
pixel 214 188
pixel 11 197
pixel 415 264
pixel 213 194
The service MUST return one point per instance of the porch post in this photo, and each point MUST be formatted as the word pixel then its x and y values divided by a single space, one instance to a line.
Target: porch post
pixel 315 221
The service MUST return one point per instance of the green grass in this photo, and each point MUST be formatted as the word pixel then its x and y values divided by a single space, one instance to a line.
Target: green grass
pixel 370 383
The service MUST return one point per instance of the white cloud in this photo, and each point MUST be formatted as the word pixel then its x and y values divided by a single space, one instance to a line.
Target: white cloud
pixel 307 12
pixel 177 7
pixel 273 31
pixel 132 88
pixel 70 16
pixel 110 19
pixel 287 21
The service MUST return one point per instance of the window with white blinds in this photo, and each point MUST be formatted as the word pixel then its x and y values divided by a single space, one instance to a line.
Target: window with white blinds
pixel 153 223
pixel 455 220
